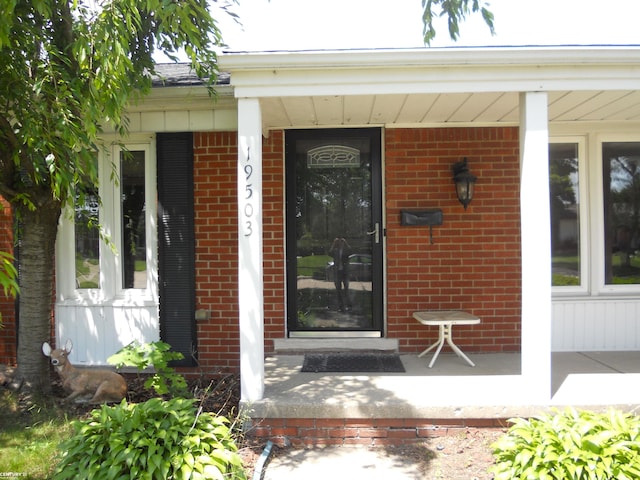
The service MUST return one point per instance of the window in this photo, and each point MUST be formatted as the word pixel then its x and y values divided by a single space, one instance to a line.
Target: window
pixel 133 219
pixel 595 225
pixel 112 297
pixel 87 240
pixel 115 240
pixel 621 208
pixel 565 214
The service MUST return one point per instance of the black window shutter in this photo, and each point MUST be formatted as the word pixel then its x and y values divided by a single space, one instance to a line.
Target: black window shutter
pixel 176 244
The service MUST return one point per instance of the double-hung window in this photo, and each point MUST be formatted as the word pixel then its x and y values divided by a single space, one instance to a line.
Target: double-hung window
pixel 114 228
pixel 86 224
pixel 621 212
pixel 567 186
pixel 132 220
pixel 595 214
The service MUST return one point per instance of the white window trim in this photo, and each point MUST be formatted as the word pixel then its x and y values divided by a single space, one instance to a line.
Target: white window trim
pixel 110 291
pixel 583 217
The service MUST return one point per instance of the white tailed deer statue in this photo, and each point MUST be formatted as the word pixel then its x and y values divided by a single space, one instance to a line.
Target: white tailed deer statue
pixel 86 385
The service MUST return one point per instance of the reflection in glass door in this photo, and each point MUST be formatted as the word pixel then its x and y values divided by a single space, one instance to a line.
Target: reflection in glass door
pixel 334 233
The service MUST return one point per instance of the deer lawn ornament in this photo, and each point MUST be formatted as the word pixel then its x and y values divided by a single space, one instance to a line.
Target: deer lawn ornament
pixel 86 385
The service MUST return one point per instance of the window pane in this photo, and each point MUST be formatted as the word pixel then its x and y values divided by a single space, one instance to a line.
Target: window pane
pixel 621 178
pixel 565 214
pixel 133 248
pixel 87 241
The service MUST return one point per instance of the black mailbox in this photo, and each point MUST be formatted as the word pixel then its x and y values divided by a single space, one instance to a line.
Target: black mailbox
pixel 419 218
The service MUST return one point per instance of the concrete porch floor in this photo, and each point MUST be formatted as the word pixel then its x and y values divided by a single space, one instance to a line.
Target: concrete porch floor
pixel 451 389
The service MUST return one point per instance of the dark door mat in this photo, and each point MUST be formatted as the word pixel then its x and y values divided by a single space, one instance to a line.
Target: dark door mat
pixel 352 362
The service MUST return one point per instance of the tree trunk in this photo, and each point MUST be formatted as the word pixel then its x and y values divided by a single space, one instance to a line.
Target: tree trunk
pixel 37 235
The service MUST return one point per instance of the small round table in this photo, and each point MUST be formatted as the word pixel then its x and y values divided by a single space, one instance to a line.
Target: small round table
pixel 445 319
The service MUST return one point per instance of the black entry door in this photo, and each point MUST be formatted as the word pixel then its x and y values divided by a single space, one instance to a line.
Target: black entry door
pixel 334 232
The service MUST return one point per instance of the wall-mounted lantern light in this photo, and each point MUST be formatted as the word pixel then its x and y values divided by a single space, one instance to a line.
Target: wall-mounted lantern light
pixel 465 182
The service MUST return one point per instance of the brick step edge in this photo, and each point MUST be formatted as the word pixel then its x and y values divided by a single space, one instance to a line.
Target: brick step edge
pixel 303 432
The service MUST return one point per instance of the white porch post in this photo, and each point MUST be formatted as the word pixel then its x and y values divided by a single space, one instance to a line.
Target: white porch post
pixel 536 244
pixel 250 291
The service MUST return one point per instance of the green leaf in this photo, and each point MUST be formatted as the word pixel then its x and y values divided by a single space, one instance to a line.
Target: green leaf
pixel 455 12
pixel 572 444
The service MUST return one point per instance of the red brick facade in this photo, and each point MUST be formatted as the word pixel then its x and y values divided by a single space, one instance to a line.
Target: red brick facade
pixel 8 329
pixel 473 264
pixel 474 261
pixel 216 230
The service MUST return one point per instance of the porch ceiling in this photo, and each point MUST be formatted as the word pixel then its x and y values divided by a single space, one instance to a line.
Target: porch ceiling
pixel 453 109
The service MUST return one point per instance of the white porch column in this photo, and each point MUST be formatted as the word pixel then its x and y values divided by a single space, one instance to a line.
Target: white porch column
pixel 250 291
pixel 536 244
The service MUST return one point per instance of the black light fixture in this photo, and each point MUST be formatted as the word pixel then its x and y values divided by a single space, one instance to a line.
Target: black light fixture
pixel 464 181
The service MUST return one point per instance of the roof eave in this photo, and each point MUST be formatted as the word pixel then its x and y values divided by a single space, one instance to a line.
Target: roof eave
pixel 436 57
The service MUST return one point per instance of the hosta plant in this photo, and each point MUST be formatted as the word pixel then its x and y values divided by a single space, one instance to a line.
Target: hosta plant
pixel 156 439
pixel 570 445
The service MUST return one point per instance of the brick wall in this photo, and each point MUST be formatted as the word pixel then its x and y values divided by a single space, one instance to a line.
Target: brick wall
pixel 274 237
pixel 7 305
pixel 474 262
pixel 302 432
pixel 216 231
pixel 215 160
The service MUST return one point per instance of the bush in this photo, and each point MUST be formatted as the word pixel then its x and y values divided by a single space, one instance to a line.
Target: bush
pixel 577 445
pixel 156 355
pixel 156 439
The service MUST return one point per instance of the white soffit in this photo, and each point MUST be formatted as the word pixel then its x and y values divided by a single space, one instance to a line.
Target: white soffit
pixel 446 108
pixel 437 86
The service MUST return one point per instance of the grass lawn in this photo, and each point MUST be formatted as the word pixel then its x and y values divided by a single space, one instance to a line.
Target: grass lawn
pixel 29 440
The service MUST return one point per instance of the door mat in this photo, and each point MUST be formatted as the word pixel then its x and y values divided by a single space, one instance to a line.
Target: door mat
pixel 352 362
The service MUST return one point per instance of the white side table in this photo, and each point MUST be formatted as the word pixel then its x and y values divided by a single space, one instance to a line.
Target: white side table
pixel 445 319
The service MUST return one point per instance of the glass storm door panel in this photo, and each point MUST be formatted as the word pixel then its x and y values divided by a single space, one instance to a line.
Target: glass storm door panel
pixel 334 232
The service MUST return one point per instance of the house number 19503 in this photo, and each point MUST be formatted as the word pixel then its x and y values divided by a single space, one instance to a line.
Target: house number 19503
pixel 248 208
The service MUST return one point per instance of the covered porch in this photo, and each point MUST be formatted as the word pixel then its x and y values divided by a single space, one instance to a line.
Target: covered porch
pixel 595 380
pixel 536 90
pixel 344 408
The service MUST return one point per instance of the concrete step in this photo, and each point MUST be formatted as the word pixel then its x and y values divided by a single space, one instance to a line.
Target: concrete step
pixel 299 346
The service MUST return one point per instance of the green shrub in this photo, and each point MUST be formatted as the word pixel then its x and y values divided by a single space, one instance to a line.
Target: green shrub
pixel 576 445
pixel 157 355
pixel 156 439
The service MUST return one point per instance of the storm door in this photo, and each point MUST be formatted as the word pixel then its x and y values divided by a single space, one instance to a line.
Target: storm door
pixel 334 232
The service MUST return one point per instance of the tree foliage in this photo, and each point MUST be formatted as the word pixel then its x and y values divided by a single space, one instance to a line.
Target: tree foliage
pixel 456 12
pixel 70 67
pixel 67 69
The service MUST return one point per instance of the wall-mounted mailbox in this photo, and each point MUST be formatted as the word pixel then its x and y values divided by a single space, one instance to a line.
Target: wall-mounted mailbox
pixel 419 218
